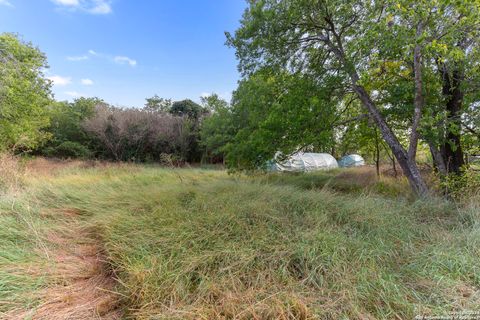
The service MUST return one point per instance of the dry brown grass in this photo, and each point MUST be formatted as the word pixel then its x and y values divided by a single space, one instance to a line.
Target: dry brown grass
pixel 192 244
pixel 41 166
pixel 83 286
pixel 46 166
pixel 11 173
pixel 363 176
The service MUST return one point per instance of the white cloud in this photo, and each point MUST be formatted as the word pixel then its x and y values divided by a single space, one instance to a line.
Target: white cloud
pixel 88 6
pixel 101 7
pixel 70 3
pixel 124 60
pixel 87 82
pixel 77 58
pixel 59 80
pixel 91 54
pixel 6 3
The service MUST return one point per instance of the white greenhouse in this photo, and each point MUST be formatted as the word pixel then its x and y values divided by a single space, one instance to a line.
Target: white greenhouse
pixel 351 160
pixel 304 162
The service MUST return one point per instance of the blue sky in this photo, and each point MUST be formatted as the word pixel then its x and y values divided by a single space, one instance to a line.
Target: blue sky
pixel 126 50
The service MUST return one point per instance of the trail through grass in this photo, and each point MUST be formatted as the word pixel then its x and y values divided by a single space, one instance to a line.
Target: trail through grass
pixel 199 244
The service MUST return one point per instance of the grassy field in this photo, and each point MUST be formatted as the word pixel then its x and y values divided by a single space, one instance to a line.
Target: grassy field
pixel 200 244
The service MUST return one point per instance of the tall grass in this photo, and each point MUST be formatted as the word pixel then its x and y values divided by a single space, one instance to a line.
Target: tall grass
pixel 22 254
pixel 352 181
pixel 11 173
pixel 199 244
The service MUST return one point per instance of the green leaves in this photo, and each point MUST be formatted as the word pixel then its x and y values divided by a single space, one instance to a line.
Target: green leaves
pixel 332 43
pixel 277 111
pixel 218 129
pixel 24 94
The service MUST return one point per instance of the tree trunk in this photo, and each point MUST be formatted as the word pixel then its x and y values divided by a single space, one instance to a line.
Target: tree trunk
pixel 394 167
pixel 452 148
pixel 392 158
pixel 377 153
pixel 419 99
pixel 407 164
pixel 438 159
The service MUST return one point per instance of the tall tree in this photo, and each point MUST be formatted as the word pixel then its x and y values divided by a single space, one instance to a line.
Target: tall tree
pixel 276 111
pixel 217 129
pixel 24 94
pixel 346 38
pixel 193 114
pixel 156 103
pixel 213 102
pixel 458 69
pixel 187 108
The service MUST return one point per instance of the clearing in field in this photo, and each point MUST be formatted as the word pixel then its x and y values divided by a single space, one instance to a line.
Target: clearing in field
pixel 127 241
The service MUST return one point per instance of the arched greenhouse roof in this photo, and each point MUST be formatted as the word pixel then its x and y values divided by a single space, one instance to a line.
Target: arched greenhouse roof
pixel 304 162
pixel 351 160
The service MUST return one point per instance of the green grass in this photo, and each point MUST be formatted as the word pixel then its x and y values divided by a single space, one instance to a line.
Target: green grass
pixel 20 252
pixel 199 244
pixel 352 181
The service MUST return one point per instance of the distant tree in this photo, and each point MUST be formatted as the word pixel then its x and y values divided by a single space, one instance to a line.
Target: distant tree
pixel 188 108
pixel 276 111
pixel 361 137
pixel 68 137
pixel 217 129
pixel 193 113
pixel 213 103
pixel 67 118
pixel 156 103
pixel 24 94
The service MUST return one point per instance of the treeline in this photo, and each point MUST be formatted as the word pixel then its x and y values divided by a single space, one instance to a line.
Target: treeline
pixel 400 88
pixel 31 121
pixel 91 128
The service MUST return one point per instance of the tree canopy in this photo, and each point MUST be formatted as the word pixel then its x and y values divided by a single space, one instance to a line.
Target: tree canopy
pixel 24 94
pixel 385 54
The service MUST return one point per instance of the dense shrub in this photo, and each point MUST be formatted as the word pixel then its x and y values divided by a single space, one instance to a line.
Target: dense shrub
pixel 89 127
pixel 68 149
pixel 68 139
pixel 462 186
pixel 137 135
